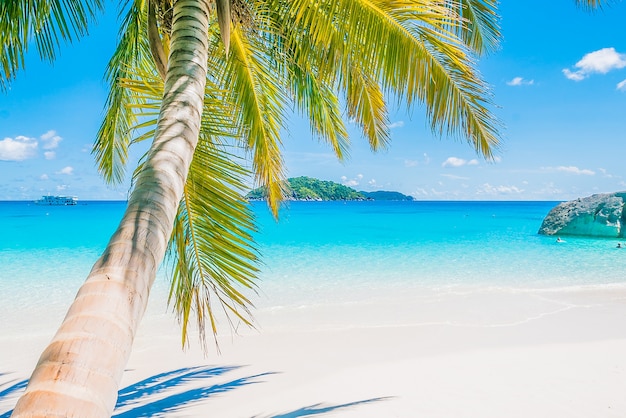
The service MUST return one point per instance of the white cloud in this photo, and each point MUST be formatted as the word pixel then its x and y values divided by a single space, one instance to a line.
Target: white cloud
pixel 372 183
pixel 517 81
pixel 520 81
pixel 412 163
pixel 50 140
pixel 437 193
pixel 44 177
pixel 23 148
pixel 398 124
pixel 601 61
pixel 453 177
pixel 575 170
pixel 454 162
pixel 577 76
pixel 570 170
pixel 498 190
pixel 19 149
pixel 61 187
pixel 621 85
pixel 606 173
pixel 66 170
pixel 549 189
pixel 48 135
pixel 458 162
pixel 352 182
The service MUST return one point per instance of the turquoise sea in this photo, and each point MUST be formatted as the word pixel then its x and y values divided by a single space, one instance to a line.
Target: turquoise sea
pixel 324 251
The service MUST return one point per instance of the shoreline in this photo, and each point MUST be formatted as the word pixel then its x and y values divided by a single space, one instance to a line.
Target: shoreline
pixel 481 352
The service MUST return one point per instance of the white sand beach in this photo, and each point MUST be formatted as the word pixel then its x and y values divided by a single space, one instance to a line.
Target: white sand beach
pixel 448 352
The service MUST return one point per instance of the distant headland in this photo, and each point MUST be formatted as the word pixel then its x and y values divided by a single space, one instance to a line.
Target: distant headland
pixel 311 189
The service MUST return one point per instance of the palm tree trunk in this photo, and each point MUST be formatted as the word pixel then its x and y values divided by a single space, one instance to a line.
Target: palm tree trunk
pixel 78 374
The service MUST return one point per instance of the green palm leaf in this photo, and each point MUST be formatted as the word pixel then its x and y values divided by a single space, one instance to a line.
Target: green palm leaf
pixel 407 47
pixel 312 87
pixel 366 106
pixel 260 96
pixel 212 251
pixel 320 103
pixel 362 48
pixel 477 23
pixel 43 22
pixel 131 56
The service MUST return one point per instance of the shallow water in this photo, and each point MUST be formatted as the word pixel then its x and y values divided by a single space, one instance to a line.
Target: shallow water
pixel 325 251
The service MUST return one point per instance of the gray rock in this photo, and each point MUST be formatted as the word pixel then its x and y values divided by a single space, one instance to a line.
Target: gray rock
pixel 600 215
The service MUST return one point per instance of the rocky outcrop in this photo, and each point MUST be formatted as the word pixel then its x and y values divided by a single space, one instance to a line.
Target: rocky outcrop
pixel 600 215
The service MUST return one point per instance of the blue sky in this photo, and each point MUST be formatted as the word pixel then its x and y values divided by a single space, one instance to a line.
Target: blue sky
pixel 558 80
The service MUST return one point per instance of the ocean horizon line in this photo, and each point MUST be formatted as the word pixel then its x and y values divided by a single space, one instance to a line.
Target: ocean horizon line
pixel 338 200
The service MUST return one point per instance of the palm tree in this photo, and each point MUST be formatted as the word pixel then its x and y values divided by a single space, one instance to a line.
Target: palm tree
pixel 300 52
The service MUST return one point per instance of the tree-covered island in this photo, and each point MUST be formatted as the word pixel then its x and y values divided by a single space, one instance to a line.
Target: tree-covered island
pixel 307 188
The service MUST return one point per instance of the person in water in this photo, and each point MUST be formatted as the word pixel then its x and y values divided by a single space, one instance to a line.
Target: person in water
pixel 558 239
pixel 619 245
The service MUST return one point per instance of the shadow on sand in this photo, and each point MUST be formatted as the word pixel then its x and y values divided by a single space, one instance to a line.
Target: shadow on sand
pixel 319 409
pixel 155 396
pixel 162 394
pixel 172 391
pixel 9 391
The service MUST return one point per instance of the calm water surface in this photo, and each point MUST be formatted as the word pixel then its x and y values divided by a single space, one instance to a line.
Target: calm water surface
pixel 327 249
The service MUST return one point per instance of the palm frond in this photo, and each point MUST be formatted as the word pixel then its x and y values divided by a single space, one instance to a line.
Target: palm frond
pixel 260 97
pixel 311 87
pixel 410 49
pixel 155 41
pixel 455 98
pixel 477 23
pixel 146 88
pixel 132 54
pixel 223 17
pixel 321 104
pixel 46 23
pixel 212 250
pixel 366 106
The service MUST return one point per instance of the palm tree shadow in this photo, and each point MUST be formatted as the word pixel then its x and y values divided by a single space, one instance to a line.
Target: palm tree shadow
pixel 319 409
pixel 9 392
pixel 172 391
pixel 157 395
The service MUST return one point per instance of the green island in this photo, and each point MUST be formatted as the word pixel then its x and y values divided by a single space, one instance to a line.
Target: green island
pixel 307 188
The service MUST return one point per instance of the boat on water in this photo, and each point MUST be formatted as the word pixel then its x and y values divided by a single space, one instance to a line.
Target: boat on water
pixel 57 200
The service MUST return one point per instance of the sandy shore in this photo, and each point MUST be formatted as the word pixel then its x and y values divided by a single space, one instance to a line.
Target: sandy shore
pixel 451 352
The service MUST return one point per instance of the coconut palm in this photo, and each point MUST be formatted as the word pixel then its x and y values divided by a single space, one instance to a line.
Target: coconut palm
pixel 188 188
